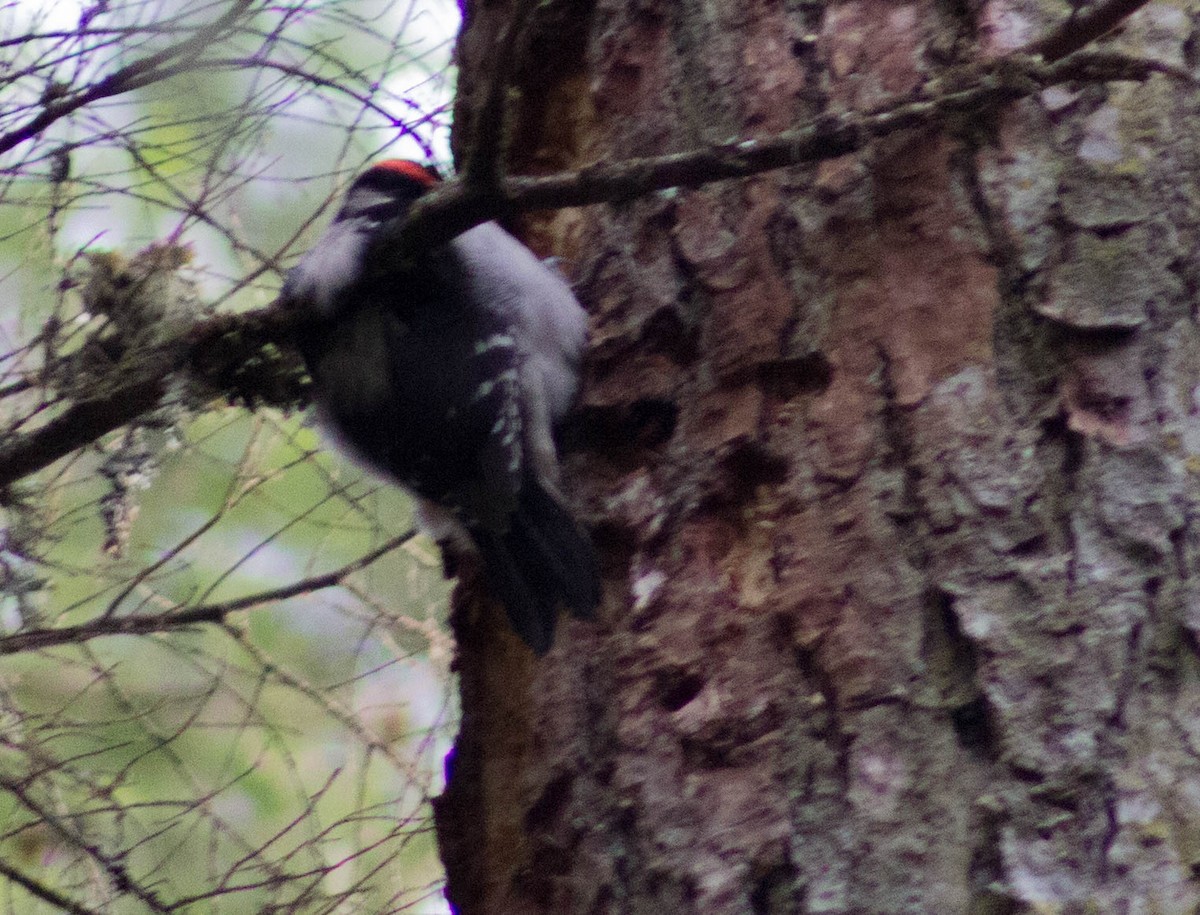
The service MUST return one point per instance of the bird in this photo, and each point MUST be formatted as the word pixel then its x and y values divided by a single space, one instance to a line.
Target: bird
pixel 448 374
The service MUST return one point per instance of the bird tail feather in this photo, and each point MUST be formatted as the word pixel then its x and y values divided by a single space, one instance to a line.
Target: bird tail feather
pixel 543 561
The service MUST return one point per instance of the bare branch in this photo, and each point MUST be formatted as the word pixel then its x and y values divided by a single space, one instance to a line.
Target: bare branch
pixel 212 349
pixel 142 72
pixel 112 865
pixel 148 623
pixel 44 892
pixel 215 345
pixel 334 85
pixel 460 206
pixel 1079 30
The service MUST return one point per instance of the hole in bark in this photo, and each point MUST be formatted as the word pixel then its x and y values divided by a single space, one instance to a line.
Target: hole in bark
pixel 751 465
pixel 788 378
pixel 1116 230
pixel 1027 774
pixel 676 688
pixel 744 468
pixel 1072 444
pixel 652 422
pixel 1072 453
pixel 666 332
pixel 774 892
pixel 973 726
pixel 549 803
pixel 1095 340
pixel 620 429
pixel 1031 546
pixel 953 664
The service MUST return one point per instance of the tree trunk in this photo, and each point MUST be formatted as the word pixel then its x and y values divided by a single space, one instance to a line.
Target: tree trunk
pixel 891 464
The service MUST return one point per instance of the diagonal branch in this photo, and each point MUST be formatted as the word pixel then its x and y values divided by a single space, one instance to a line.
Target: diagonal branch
pixel 1079 30
pixel 214 351
pixel 114 866
pixel 141 72
pixel 82 424
pixel 148 623
pixel 43 892
pixel 216 348
pixel 460 206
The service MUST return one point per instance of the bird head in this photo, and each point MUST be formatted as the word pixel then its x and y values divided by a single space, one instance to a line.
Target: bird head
pixel 386 190
pixel 382 194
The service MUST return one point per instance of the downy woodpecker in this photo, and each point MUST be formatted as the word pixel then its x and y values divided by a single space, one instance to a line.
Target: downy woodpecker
pixel 448 377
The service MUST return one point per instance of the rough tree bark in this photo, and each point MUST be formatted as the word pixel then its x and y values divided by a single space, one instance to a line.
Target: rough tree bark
pixel 892 464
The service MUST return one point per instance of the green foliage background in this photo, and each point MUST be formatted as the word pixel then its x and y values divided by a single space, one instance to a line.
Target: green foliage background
pixel 283 760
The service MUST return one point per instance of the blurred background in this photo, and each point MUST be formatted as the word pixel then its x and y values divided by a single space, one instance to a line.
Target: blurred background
pixel 281 759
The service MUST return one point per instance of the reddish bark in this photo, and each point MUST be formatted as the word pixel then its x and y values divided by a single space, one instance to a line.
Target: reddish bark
pixel 890 478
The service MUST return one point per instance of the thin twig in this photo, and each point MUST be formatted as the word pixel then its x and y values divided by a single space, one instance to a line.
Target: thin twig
pixel 113 865
pixel 148 623
pixel 44 892
pixel 141 72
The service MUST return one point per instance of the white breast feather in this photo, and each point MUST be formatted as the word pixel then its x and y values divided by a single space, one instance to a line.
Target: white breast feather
pixel 331 265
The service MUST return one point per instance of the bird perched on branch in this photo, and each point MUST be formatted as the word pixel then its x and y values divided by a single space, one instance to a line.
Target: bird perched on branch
pixel 448 376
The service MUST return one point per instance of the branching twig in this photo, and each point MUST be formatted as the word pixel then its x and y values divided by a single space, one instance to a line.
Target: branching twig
pixel 364 99
pixel 142 72
pixel 44 892
pixel 213 345
pixel 148 623
pixel 113 865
